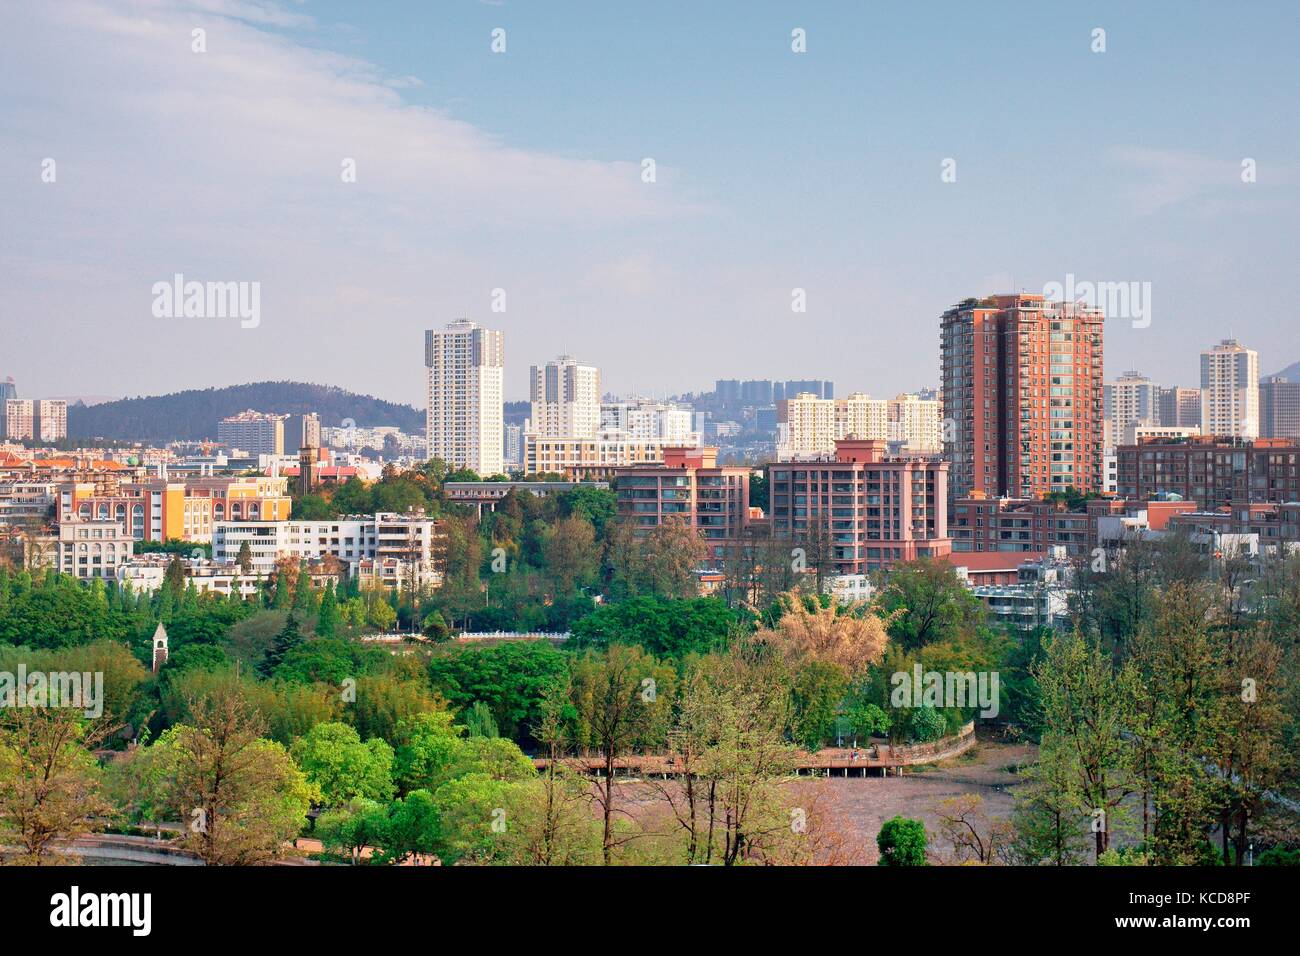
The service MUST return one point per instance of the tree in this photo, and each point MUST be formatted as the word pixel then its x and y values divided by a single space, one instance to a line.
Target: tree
pixel 341 767
pixel 743 706
pixel 351 828
pixel 1176 701
pixel 809 630
pixel 1048 820
pixel 570 556
pixel 1247 736
pixel 661 561
pixel 902 842
pixel 662 626
pixel 174 577
pixel 245 558
pixel 619 699
pixel 384 701
pixel 327 620
pixel 925 602
pixel 461 590
pixel 429 747
pixel 305 601
pixel 974 838
pixel 479 721
pixel 510 678
pixel 435 627
pixel 555 833
pixel 817 692
pixel 595 505
pixel 1085 709
pixel 288 638
pixel 50 784
pixel 241 795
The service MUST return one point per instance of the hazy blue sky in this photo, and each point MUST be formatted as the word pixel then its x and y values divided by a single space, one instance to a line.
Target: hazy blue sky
pixel 522 171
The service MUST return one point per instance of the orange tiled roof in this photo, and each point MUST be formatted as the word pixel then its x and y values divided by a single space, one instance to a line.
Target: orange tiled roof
pixel 992 560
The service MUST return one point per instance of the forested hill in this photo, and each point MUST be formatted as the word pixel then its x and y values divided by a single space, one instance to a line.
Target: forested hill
pixel 194 414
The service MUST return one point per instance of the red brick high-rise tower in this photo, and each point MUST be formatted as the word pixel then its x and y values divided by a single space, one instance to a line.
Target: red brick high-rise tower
pixel 1022 396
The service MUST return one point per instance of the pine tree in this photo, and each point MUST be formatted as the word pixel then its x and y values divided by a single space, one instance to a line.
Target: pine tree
pixel 174 580
pixel 304 595
pixel 327 622
pixel 245 559
pixel 290 636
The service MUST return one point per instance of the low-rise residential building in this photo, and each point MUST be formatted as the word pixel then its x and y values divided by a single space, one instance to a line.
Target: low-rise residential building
pixel 589 458
pixel 480 493
pixel 410 539
pixel 93 549
pixel 849 588
pixel 25 502
pixel 1039 596
pixel 145 573
pixel 158 509
pixel 875 509
pixel 1212 471
pixel 688 486
pixel 1028 525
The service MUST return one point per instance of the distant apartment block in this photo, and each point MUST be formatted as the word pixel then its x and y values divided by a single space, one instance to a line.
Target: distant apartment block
pixel 35 419
pixel 1022 390
pixel 1230 390
pixel 565 399
pixel 588 458
pixel 253 432
pixel 302 431
pixel 645 420
pixel 1279 408
pixel 808 425
pixel 1137 432
pixel 1180 405
pixel 514 446
pixel 915 424
pixel 1129 399
pixel 465 367
pixel 20 419
pixel 877 509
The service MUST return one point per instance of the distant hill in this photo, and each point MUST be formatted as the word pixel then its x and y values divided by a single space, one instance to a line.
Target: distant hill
pixel 1291 373
pixel 193 415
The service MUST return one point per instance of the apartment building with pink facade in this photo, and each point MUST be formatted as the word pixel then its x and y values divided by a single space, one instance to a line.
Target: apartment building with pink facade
pixel 878 509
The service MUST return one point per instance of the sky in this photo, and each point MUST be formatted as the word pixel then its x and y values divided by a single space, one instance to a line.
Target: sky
pixel 911 156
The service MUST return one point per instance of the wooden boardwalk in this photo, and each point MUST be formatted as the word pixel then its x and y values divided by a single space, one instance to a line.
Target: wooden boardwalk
pixel 834 761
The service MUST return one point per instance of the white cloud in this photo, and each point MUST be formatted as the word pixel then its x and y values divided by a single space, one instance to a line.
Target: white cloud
pixel 226 165
pixel 1170 177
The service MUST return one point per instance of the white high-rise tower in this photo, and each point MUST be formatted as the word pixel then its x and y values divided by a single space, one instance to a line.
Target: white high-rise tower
pixel 565 399
pixel 1230 390
pixel 465 364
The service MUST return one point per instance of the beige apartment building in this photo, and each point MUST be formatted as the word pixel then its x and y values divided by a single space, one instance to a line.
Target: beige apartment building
pixel 588 458
pixel 809 426
pixel 36 419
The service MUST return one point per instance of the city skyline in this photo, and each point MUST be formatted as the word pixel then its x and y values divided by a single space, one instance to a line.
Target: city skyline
pixel 475 172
